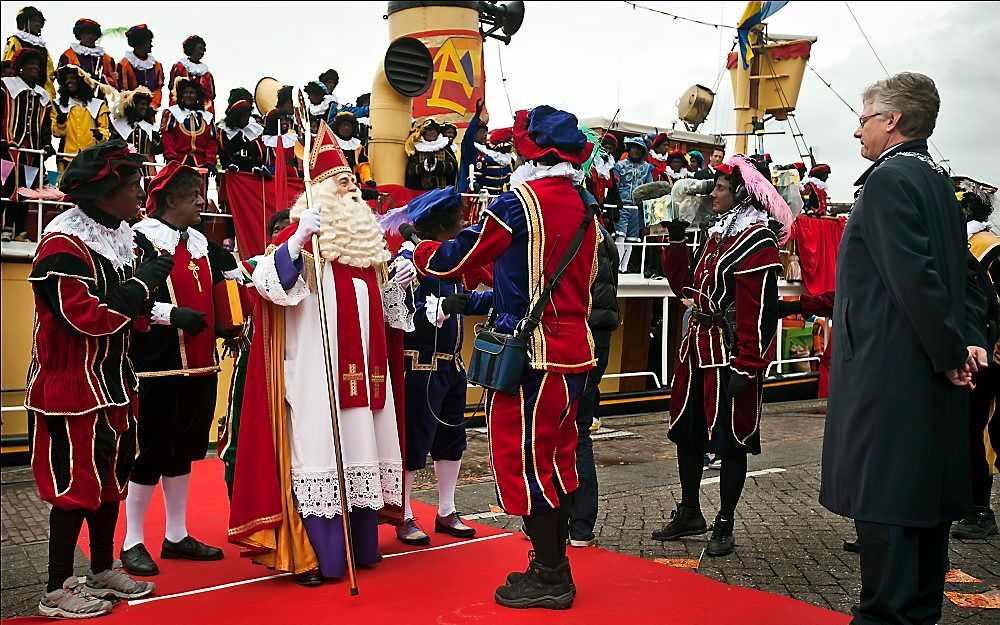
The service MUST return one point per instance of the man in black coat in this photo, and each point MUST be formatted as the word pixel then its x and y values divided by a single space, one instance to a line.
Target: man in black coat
pixel 895 452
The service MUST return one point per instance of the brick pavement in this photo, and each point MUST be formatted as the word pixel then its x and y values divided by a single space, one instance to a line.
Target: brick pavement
pixel 787 543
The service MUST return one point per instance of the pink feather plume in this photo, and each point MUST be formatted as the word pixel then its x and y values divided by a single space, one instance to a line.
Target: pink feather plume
pixel 762 189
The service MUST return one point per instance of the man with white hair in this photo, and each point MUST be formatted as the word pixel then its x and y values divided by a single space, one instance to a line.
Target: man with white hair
pixel 896 447
pixel 289 518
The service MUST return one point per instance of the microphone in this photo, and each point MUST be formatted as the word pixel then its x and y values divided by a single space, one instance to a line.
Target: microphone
pixel 408 232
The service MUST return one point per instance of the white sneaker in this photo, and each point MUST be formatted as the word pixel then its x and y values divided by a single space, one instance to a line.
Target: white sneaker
pixel 72 602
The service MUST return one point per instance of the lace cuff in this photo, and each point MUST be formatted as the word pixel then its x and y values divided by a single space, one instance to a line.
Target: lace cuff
pixel 234 274
pixel 267 282
pixel 161 314
pixel 371 486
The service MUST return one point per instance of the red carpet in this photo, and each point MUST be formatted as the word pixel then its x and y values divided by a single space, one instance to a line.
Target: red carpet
pixel 452 585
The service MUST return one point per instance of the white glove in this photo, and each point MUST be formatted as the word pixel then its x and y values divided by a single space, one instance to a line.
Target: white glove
pixel 432 308
pixel 406 272
pixel 308 226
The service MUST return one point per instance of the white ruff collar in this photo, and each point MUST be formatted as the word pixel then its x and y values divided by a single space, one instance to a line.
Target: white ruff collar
pixel 118 246
pixel 93 107
pixel 350 144
pixel 740 219
pixel 194 69
pixel 683 173
pixel 140 64
pixel 27 37
pixel 975 227
pixel 166 238
pixel 816 182
pixel 659 157
pixel 251 131
pixel 181 114
pixel 288 140
pixel 499 157
pixel 324 106
pixel 431 146
pixel 529 170
pixel 79 48
pixel 603 166
pixel 16 85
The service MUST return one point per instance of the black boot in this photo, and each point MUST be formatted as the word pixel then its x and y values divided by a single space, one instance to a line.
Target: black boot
pixel 540 586
pixel 684 521
pixel 515 577
pixel 722 542
pixel 852 546
pixel 978 525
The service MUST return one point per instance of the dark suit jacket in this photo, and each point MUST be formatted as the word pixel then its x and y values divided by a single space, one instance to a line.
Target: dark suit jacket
pixel 896 447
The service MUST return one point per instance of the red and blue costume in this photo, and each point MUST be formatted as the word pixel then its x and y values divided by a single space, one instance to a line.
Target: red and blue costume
pixel 522 235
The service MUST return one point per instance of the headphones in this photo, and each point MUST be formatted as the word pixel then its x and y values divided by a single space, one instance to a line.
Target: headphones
pixel 740 193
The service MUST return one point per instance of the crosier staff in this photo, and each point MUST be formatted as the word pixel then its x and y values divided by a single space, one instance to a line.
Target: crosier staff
pixel 303 120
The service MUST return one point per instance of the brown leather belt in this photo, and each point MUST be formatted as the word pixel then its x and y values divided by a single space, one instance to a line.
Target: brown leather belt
pixel 707 319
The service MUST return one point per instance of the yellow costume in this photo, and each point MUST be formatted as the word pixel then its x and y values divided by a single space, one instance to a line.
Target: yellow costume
pixel 14 44
pixel 78 130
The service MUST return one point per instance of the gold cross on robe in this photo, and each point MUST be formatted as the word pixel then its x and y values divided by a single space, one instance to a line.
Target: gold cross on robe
pixel 353 376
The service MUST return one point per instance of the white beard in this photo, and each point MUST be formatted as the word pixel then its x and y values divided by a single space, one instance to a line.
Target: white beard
pixel 349 233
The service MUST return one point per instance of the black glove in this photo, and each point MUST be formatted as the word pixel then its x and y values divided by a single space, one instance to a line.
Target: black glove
pixel 677 230
pixel 154 271
pixel 49 151
pixel 457 303
pixel 61 118
pixel 738 384
pixel 232 168
pixel 479 107
pixel 228 333
pixel 189 320
pixel 408 232
pixel 789 308
pixel 369 193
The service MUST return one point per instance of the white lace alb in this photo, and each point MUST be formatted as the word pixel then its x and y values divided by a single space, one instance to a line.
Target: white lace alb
pixel 265 279
pixel 371 486
pixel 118 246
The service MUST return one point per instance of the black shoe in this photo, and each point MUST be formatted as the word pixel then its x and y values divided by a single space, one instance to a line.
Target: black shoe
pixel 137 561
pixel 684 521
pixel 540 587
pixel 189 549
pixel 309 578
pixel 978 525
pixel 515 577
pixel 722 542
pixel 852 546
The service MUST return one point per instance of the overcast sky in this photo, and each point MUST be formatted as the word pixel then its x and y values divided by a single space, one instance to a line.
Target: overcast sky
pixel 592 57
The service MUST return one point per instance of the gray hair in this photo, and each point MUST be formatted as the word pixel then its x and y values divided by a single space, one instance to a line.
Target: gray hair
pixel 914 96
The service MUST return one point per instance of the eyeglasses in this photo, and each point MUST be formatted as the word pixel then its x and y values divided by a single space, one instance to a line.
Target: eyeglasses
pixel 864 118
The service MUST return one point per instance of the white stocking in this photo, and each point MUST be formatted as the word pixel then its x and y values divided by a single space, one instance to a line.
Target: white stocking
pixel 447 477
pixel 175 493
pixel 408 478
pixel 136 504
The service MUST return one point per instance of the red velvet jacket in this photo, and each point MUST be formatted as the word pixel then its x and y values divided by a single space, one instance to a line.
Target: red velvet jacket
pixel 741 272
